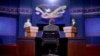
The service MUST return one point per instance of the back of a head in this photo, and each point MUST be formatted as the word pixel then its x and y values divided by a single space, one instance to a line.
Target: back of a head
pixel 51 21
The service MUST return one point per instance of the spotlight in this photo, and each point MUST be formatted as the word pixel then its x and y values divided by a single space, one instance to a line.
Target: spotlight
pixel 52 1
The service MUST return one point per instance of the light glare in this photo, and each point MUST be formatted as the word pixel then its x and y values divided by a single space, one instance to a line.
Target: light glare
pixel 52 1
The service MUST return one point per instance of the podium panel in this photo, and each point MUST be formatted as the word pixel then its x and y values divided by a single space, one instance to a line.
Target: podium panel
pixel 26 46
pixel 70 35
pixel 70 31
pixel 31 34
pixel 31 31
pixel 76 49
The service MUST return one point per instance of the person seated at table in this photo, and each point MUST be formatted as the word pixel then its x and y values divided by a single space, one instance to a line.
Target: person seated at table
pixel 50 47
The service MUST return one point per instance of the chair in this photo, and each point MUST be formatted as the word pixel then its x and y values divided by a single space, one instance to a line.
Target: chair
pixel 51 37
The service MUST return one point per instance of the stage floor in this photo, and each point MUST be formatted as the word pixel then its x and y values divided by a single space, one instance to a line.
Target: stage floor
pixel 50 55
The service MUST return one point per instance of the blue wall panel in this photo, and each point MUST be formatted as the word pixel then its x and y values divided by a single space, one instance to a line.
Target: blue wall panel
pixel 7 39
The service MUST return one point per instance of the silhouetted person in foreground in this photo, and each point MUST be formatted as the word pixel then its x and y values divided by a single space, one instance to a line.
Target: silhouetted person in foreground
pixel 51 26
pixel 50 47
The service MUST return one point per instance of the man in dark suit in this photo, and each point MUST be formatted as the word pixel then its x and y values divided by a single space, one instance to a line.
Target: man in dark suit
pixel 51 47
pixel 51 27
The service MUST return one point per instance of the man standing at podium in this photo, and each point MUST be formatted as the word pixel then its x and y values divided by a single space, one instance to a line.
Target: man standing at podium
pixel 50 48
pixel 27 24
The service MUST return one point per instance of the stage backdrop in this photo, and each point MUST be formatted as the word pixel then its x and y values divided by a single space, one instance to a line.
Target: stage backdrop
pixel 73 7
pixel 92 30
pixel 7 30
pixel 64 19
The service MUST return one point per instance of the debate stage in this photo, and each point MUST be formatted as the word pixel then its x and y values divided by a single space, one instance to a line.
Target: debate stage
pixel 67 47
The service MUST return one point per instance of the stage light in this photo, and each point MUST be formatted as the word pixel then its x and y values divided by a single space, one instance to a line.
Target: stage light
pixel 52 1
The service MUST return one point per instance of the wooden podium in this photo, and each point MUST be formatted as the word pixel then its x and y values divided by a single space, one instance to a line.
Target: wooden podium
pixel 70 31
pixel 31 31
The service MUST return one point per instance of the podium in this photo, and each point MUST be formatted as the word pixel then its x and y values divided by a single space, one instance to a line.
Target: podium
pixel 31 31
pixel 70 31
